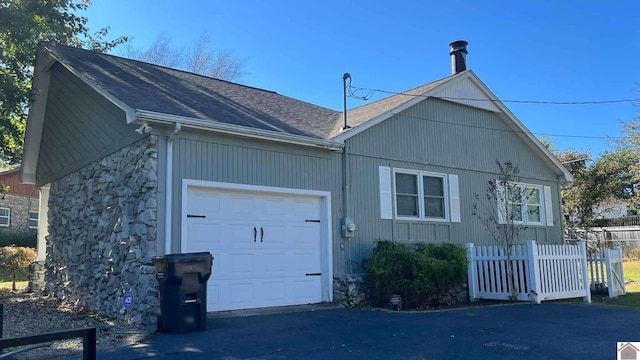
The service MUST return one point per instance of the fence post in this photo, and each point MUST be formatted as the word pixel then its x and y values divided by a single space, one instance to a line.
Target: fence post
pixel 619 250
pixel 533 278
pixel 609 270
pixel 583 262
pixel 472 272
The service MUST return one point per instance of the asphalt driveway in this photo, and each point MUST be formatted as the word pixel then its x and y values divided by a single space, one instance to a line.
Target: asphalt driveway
pixel 520 331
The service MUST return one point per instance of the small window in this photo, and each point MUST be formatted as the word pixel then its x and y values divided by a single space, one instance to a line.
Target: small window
pixel 420 195
pixel 524 203
pixel 33 219
pixel 5 216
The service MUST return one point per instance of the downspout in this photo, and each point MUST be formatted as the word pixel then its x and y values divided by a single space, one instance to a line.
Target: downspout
pixel 169 188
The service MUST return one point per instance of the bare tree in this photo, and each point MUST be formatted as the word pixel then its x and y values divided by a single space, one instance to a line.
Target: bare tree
pixel 501 215
pixel 200 58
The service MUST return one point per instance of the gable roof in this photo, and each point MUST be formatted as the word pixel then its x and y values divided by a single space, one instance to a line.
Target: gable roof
pixel 157 89
pixel 147 92
pixel 360 115
pixel 367 116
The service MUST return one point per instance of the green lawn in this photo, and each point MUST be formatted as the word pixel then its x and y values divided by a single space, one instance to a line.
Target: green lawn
pixel 632 273
pixel 6 278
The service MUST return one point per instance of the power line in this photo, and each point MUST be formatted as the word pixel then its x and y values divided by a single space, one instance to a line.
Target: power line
pixel 371 92
pixel 504 130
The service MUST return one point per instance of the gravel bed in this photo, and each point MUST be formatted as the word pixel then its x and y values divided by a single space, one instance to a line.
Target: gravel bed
pixel 28 314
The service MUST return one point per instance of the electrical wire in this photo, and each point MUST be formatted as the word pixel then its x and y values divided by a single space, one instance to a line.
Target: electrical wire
pixel 353 90
pixel 504 130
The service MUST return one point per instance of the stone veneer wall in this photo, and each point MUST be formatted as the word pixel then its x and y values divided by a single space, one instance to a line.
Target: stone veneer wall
pixel 102 235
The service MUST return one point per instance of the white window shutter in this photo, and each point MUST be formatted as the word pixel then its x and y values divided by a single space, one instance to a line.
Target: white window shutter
pixel 386 193
pixel 501 197
pixel 454 198
pixel 548 206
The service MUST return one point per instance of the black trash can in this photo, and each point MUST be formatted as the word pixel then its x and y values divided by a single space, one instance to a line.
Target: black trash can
pixel 183 291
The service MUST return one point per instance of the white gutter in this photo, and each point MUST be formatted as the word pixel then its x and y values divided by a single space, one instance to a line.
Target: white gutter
pixel 219 127
pixel 169 189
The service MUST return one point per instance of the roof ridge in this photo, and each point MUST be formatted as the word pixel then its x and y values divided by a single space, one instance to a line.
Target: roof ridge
pixel 159 66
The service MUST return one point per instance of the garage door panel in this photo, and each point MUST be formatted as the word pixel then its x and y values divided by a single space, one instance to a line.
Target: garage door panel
pixel 238 236
pixel 203 234
pixel 305 263
pixel 204 201
pixel 304 236
pixel 273 264
pixel 273 235
pixel 252 274
pixel 306 290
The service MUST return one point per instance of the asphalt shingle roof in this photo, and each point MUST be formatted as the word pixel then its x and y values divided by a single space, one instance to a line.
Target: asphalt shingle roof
pixel 362 114
pixel 144 86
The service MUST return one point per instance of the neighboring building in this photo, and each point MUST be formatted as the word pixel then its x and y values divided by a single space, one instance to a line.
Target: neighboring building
pixel 19 205
pixel 136 160
pixel 610 209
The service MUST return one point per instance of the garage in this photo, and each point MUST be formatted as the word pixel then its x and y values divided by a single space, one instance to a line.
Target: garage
pixel 271 246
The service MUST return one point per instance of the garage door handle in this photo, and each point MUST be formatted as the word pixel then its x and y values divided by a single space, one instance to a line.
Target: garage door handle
pixel 255 233
pixel 261 234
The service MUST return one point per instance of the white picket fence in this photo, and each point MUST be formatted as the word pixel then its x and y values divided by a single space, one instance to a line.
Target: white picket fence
pixel 542 272
pixel 606 271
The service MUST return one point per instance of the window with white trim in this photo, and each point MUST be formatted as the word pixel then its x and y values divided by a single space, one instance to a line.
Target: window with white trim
pixel 33 219
pixel 5 216
pixel 420 195
pixel 525 203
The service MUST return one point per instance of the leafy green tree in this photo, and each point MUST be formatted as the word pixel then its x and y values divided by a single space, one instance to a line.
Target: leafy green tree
pixel 24 24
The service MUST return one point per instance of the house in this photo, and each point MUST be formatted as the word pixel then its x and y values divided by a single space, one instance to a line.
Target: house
pixel 135 160
pixel 18 205
pixel 627 351
pixel 610 209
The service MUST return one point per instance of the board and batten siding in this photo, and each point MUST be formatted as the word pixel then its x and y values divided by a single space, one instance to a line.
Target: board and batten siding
pixel 448 138
pixel 200 156
pixel 80 126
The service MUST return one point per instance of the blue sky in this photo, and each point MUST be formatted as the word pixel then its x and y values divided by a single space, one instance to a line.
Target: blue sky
pixel 570 50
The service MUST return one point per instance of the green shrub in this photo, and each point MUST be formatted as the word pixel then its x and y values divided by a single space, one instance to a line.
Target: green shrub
pixel 21 239
pixel 420 273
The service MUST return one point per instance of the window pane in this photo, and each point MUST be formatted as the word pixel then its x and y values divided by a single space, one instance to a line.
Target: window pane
pixel 434 207
pixel 533 213
pixel 407 205
pixel 4 221
pixel 433 186
pixel 4 212
pixel 406 184
pixel 533 196
pixel 515 194
pixel 516 212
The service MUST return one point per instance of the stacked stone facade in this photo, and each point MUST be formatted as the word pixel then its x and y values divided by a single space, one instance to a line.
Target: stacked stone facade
pixel 103 232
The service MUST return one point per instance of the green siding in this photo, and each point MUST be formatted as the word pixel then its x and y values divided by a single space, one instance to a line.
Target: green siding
pixel 80 126
pixel 443 137
pixel 226 159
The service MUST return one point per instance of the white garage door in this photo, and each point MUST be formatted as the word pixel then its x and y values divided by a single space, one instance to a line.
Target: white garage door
pixel 266 247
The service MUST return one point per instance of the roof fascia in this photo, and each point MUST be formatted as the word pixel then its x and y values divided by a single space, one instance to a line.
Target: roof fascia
pixel 217 127
pixel 130 112
pixel 35 119
pixel 377 120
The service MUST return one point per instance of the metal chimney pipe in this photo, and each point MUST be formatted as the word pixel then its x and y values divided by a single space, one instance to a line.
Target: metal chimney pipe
pixel 458 56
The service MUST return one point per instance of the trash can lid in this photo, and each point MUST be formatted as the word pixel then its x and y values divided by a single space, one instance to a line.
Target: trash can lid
pixel 185 257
